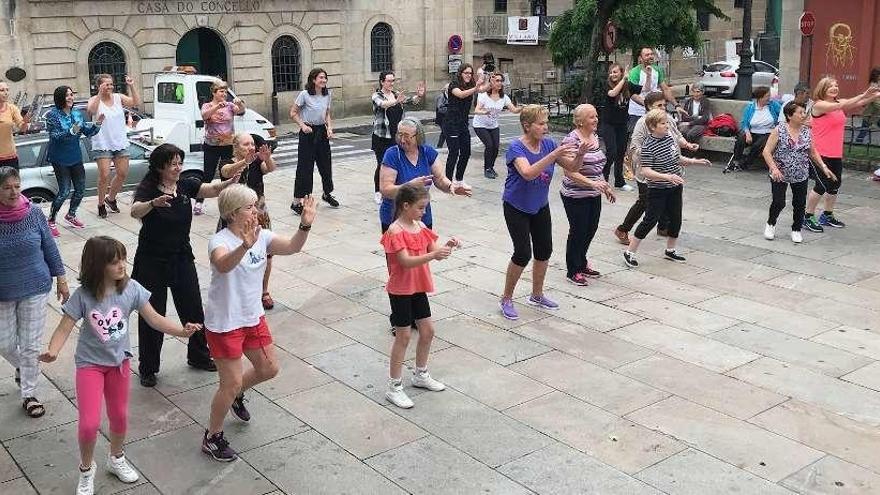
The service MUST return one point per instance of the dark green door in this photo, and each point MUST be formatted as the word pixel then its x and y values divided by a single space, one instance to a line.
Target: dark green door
pixel 203 49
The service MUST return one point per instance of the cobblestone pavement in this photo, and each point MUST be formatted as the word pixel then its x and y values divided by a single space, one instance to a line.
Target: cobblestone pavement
pixel 752 368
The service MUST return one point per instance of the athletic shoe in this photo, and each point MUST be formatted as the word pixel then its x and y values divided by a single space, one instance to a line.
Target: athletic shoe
pixel 464 185
pixel 627 188
pixel 490 173
pixel 796 237
pixel 622 237
pixel 630 259
pixel 769 232
pixel 829 220
pixel 148 380
pixel 102 211
pixel 327 197
pixel 397 396
pixel 297 208
pixel 424 380
pixel 812 224
pixel 578 279
pixel 542 302
pixel 86 484
pixel 120 467
pixel 198 209
pixel 217 447
pixel 588 271
pixel 239 409
pixel 114 207
pixel 377 198
pixel 672 255
pixel 508 310
pixel 73 221
pixel 53 228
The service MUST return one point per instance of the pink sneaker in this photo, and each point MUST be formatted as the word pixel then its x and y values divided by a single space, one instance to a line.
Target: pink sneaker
pixel 198 209
pixel 73 221
pixel 54 229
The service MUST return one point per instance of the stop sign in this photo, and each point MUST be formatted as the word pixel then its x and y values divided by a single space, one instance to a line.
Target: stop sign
pixel 808 23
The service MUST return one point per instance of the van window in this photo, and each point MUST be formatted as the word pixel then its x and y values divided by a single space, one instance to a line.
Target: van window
pixel 170 92
pixel 29 153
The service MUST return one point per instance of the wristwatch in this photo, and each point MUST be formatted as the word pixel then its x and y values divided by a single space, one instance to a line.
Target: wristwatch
pixel 304 227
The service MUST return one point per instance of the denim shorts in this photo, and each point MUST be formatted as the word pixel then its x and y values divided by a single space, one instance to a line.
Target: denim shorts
pixel 123 153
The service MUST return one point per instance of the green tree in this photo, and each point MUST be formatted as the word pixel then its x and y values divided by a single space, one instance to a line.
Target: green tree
pixel 667 23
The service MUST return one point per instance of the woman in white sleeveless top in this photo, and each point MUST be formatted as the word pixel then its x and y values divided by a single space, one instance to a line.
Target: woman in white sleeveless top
pixel 111 143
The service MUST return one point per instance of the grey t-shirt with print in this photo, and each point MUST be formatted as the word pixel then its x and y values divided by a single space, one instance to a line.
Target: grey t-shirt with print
pixel 104 333
pixel 313 108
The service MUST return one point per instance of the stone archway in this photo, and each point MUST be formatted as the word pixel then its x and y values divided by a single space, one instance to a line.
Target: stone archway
pixel 204 49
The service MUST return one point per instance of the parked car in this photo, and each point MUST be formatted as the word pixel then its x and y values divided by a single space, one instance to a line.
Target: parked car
pixel 39 124
pixel 720 78
pixel 38 177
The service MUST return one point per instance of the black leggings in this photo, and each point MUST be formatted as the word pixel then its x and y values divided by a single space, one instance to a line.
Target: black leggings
pixel 491 139
pixel 583 221
pixel 211 158
pixel 157 276
pixel 798 202
pixel 313 148
pixel 824 184
pixel 615 138
pixel 529 232
pixel 755 149
pixel 638 209
pixel 458 139
pixel 379 146
pixel 659 202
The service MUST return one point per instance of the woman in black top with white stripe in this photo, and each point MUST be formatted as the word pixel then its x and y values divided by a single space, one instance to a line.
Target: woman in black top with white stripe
pixel 455 124
pixel 661 163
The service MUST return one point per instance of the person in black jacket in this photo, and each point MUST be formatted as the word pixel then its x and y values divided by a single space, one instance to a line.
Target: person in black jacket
pixel 694 114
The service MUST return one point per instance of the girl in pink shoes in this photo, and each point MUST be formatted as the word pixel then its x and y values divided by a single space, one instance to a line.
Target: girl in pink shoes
pixel 409 247
pixel 105 300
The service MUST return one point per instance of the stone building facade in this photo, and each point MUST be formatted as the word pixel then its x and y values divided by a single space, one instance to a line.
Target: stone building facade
pixel 260 46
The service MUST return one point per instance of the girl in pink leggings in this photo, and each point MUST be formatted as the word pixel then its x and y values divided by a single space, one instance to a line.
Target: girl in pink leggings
pixel 105 300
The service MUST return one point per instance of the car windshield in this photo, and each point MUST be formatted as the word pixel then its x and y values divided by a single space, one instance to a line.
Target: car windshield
pixel 718 68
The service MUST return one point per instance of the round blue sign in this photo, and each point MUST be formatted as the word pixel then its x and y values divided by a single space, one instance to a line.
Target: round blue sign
pixel 455 43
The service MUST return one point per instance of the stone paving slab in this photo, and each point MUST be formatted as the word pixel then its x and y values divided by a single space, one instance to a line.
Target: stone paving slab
pixel 831 475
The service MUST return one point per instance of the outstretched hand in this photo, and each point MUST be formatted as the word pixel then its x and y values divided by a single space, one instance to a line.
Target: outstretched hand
pixel 251 233
pixel 310 209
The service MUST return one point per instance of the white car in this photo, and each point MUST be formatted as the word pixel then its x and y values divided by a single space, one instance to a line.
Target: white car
pixel 720 78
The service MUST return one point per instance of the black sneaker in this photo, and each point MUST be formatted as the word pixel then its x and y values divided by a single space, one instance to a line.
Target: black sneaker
pixel 202 365
pixel 148 380
pixel 672 255
pixel 102 211
pixel 217 447
pixel 239 409
pixel 630 259
pixel 812 224
pixel 490 173
pixel 330 200
pixel 114 207
pixel 297 208
pixel 829 220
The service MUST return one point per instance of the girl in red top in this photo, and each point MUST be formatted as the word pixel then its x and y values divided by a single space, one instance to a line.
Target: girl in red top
pixel 409 247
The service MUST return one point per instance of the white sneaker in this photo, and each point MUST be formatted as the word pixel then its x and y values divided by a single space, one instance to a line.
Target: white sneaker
pixel 377 198
pixel 121 468
pixel 86 484
pixel 424 380
pixel 397 396
pixel 463 185
pixel 796 237
pixel 627 188
pixel 769 232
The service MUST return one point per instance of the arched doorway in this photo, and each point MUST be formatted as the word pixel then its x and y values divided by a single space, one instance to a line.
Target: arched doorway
pixel 205 50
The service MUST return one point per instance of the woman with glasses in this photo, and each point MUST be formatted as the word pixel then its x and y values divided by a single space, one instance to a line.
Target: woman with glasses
pixel 455 124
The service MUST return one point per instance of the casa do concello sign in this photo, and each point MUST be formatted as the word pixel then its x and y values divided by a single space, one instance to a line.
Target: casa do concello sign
pixel 197 6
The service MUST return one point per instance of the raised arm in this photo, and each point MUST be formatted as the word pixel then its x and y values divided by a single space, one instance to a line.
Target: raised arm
pixel 284 246
pixel 132 99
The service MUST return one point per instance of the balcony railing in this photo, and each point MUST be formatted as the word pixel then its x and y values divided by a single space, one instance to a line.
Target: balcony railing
pixel 494 27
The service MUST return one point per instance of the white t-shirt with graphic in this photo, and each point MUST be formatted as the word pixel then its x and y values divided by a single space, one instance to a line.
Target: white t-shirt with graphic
pixel 493 108
pixel 104 334
pixel 234 297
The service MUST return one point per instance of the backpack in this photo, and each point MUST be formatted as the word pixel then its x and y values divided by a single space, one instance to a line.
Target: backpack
pixel 722 125
pixel 441 103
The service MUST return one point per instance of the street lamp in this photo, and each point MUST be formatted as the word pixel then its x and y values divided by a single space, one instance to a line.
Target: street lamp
pixel 746 68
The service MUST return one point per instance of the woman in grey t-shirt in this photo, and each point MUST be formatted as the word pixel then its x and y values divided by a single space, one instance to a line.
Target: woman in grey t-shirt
pixel 311 110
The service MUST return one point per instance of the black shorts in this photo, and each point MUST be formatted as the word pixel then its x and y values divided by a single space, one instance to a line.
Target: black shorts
pixel 406 310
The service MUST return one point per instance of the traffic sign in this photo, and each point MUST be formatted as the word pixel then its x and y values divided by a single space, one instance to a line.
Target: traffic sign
pixel 807 23
pixel 455 44
pixel 609 37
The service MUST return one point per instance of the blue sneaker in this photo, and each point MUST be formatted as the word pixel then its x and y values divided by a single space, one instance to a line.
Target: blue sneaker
pixel 508 310
pixel 812 224
pixel 542 302
pixel 829 220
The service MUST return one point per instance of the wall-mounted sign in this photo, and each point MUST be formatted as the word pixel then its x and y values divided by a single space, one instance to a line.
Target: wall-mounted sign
pixel 197 6
pixel 455 44
pixel 522 30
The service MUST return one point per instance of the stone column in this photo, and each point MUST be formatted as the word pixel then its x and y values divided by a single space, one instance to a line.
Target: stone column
pixel 790 45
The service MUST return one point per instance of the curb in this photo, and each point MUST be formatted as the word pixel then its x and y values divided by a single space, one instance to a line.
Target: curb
pixel 359 129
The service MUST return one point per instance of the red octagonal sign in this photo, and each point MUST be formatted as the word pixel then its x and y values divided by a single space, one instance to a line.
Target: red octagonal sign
pixel 808 23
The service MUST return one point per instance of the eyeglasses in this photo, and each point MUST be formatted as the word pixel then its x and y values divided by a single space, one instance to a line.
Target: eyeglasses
pixel 468 72
pixel 406 135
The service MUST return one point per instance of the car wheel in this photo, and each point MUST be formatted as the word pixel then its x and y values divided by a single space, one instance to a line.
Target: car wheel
pixel 40 197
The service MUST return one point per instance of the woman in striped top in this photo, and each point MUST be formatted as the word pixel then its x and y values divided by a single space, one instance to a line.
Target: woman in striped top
pixel 661 163
pixel 581 192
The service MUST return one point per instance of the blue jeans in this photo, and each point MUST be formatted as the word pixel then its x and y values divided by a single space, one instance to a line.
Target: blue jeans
pixel 66 175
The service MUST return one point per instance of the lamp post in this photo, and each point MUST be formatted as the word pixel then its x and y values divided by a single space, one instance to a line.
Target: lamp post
pixel 746 68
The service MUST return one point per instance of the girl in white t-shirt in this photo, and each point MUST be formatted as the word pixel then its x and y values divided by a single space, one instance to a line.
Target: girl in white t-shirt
pixel 235 322
pixel 489 106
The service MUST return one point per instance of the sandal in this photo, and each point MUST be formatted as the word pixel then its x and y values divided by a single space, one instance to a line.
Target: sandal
pixel 268 303
pixel 34 408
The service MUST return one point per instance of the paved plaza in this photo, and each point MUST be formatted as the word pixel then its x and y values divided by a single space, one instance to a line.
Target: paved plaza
pixel 752 368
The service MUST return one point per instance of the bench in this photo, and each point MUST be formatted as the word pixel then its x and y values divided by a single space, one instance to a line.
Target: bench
pixel 722 144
